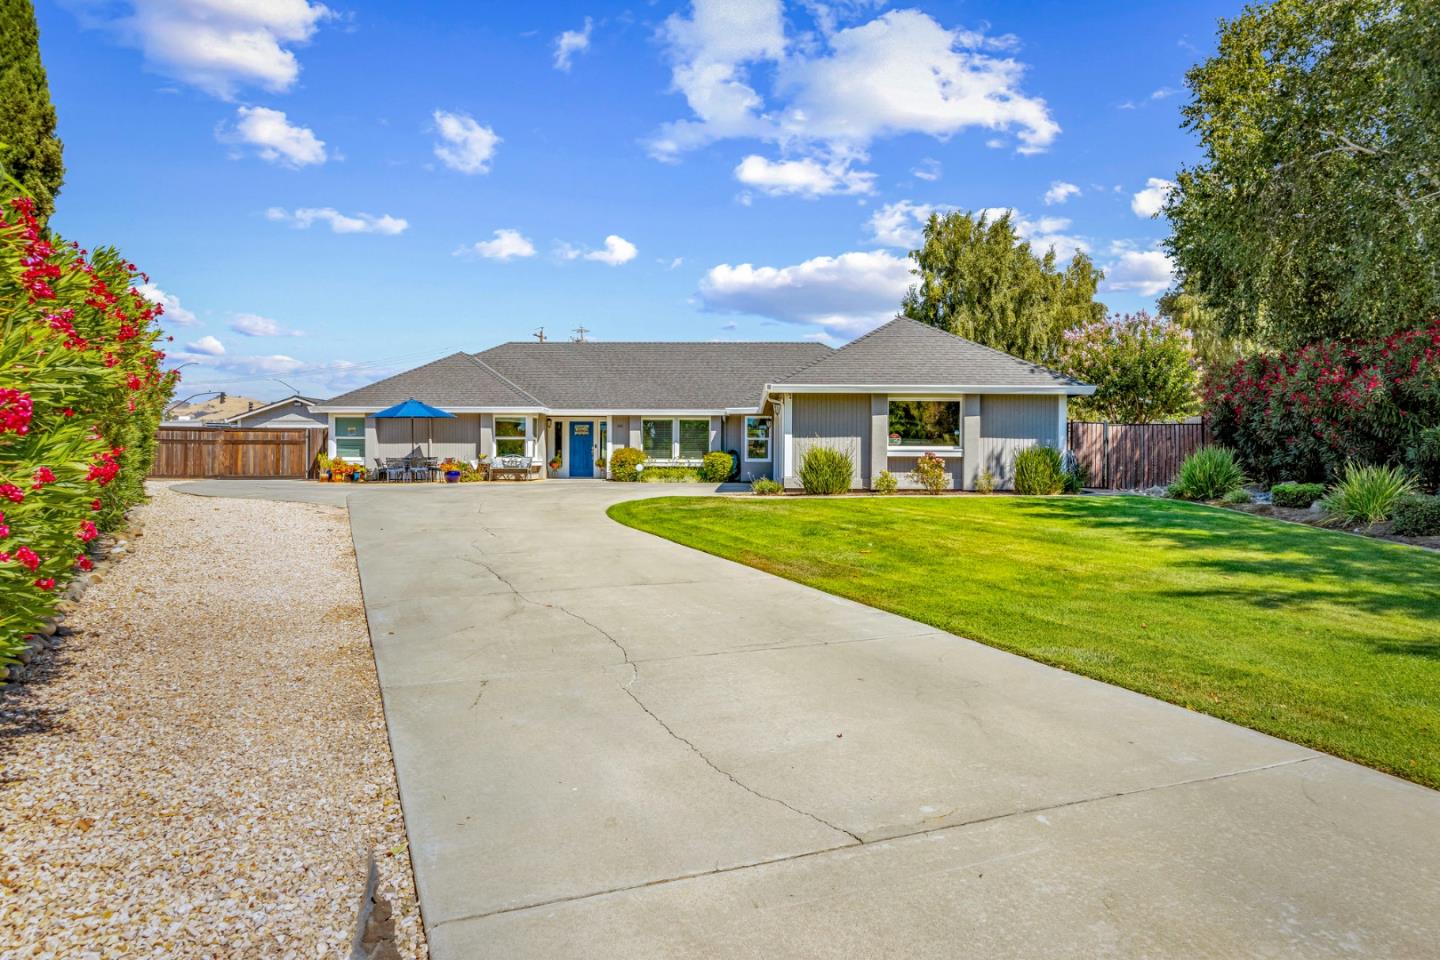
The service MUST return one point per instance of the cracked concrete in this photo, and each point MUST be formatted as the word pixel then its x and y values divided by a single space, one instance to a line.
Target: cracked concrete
pixel 611 746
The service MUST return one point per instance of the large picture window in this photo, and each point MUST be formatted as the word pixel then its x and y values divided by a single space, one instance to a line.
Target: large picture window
pixel 350 439
pixel 657 438
pixel 757 438
pixel 675 439
pixel 924 423
pixel 694 439
pixel 510 436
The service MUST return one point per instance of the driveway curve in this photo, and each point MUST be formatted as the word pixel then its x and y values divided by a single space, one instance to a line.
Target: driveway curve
pixel 609 745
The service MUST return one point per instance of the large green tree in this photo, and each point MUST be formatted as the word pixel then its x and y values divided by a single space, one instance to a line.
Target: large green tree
pixel 29 149
pixel 1143 370
pixel 979 280
pixel 1315 211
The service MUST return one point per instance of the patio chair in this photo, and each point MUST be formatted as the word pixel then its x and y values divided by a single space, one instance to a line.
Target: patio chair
pixel 382 469
pixel 397 468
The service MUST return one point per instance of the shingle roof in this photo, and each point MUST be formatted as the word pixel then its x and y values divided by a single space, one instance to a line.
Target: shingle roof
pixel 905 351
pixel 637 376
pixel 459 380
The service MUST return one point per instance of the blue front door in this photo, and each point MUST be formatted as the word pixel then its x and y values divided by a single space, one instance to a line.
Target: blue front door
pixel 582 449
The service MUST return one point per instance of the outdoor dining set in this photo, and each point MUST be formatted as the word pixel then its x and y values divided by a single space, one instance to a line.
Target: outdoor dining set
pixel 406 468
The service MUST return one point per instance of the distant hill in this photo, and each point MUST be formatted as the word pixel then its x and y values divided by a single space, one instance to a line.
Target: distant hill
pixel 213 408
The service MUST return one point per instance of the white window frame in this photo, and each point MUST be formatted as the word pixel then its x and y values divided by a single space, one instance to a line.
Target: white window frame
pixel 335 437
pixel 943 450
pixel 529 437
pixel 745 440
pixel 675 457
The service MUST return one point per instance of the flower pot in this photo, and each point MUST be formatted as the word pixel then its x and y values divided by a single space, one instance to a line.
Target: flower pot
pixel 354 478
pixel 452 476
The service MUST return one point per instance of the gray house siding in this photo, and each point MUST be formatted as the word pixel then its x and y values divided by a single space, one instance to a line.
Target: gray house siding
pixel 458 437
pixel 901 467
pixel 290 415
pixel 838 420
pixel 1009 424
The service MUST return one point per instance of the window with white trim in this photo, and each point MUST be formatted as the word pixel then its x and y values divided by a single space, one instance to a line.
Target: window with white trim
pixel 657 438
pixel 675 438
pixel 757 438
pixel 924 424
pixel 512 436
pixel 350 439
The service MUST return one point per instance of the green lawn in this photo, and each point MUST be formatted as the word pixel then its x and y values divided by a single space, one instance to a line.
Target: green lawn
pixel 1322 638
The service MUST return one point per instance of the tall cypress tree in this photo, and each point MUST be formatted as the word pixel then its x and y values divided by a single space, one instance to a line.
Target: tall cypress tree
pixel 30 151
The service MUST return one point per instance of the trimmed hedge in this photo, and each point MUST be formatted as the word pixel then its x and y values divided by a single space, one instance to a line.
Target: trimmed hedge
pixel 670 475
pixel 625 463
pixel 716 467
pixel 1417 516
pixel 1296 495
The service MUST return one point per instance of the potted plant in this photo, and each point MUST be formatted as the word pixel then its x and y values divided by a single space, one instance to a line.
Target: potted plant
pixel 452 468
pixel 357 474
pixel 322 466
pixel 555 463
pixel 600 463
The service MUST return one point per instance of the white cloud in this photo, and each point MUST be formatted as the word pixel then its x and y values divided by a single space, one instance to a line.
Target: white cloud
pixel 1060 191
pixel 808 177
pixel 899 224
pixel 617 250
pixel 275 137
pixel 206 345
pixel 899 73
pixel 1150 201
pixel 506 245
pixel 1148 272
pixel 928 169
pixel 254 325
pixel 1043 233
pixel 174 314
pixel 850 293
pixel 570 43
pixel 465 145
pixel 339 222
pixel 220 45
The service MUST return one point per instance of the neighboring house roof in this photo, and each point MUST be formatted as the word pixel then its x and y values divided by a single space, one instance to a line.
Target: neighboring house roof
pixel 293 398
pixel 638 376
pixel 459 380
pixel 907 354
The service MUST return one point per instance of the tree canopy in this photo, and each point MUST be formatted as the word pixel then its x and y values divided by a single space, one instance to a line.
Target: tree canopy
pixel 29 149
pixel 1315 211
pixel 979 280
pixel 1142 369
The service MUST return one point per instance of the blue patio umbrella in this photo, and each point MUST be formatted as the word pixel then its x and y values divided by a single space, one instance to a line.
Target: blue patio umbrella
pixel 413 410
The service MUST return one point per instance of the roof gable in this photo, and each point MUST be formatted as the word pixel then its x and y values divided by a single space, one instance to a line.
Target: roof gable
pixel 459 380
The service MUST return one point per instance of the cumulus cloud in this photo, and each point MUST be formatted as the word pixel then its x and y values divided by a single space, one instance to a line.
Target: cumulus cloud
pixel 220 45
pixel 1060 191
pixel 1146 272
pixel 848 294
pixel 899 73
pixel 806 178
pixel 506 244
pixel 304 217
pixel 617 250
pixel 1043 233
pixel 175 315
pixel 464 144
pixel 206 345
pixel 899 224
pixel 1150 201
pixel 275 138
pixel 570 43
pixel 254 325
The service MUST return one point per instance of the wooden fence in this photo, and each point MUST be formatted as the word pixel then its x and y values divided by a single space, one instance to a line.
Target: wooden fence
pixel 1125 456
pixel 222 452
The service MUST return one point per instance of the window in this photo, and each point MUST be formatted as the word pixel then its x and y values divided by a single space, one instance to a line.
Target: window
pixel 657 438
pixel 757 438
pixel 511 434
pixel 924 423
pixel 694 439
pixel 350 439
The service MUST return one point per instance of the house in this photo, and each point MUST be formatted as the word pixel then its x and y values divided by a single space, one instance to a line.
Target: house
pixel 290 412
pixel 885 398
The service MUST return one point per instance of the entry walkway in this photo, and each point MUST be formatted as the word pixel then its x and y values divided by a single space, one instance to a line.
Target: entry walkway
pixel 611 746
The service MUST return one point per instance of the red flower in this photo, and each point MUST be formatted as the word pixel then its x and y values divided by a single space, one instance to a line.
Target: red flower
pixel 4 529
pixel 84 562
pixel 11 492
pixel 43 475
pixel 28 558
pixel 87 531
pixel 46 583
pixel 16 409
pixel 95 505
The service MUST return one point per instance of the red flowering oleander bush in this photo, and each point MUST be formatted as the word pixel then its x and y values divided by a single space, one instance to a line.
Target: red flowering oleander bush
pixel 1303 415
pixel 81 395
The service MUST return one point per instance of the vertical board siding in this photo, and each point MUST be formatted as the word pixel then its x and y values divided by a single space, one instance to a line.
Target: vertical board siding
pixel 458 437
pixel 1127 456
pixel 222 452
pixel 1009 424
pixel 901 467
pixel 839 420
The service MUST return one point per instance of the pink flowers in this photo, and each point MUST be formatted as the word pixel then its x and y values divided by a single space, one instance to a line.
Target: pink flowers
pixel 11 492
pixel 4 528
pixel 16 409
pixel 28 558
pixel 83 562
pixel 46 583
pixel 43 475
pixel 87 531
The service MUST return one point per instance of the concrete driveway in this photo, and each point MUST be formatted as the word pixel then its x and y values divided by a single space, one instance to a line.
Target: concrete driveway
pixel 611 746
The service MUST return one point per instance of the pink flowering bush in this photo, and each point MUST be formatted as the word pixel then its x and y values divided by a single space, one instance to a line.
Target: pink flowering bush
pixel 1303 415
pixel 81 394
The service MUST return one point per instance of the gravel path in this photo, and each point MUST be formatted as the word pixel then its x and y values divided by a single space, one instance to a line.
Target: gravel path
pixel 202 769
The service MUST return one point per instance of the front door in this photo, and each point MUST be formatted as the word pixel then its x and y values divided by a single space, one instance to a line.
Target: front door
pixel 582 448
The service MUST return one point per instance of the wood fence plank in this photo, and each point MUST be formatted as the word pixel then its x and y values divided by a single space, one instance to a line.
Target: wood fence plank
pixel 1127 456
pixel 277 454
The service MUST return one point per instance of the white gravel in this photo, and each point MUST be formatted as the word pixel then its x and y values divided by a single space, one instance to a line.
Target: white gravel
pixel 203 768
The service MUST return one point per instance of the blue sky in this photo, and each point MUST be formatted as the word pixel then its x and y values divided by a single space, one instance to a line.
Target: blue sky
pixel 328 194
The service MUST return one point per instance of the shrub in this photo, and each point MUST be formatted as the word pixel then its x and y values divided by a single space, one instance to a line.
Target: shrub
pixel 81 394
pixel 716 467
pixel 930 473
pixel 1367 493
pixel 1417 516
pixel 1237 496
pixel 1208 474
pixel 765 487
pixel 1076 475
pixel 670 475
pixel 1296 495
pixel 885 483
pixel 1038 471
pixel 625 464
pixel 1303 414
pixel 1424 457
pixel 825 471
pixel 985 483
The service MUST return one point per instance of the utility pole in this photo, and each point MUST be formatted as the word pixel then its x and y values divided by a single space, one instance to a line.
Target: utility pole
pixel 539 334
pixel 580 332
